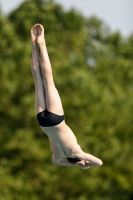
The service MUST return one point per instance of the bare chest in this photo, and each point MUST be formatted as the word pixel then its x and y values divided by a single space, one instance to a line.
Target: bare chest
pixel 63 142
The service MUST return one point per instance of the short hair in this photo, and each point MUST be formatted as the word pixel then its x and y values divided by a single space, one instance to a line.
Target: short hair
pixel 73 160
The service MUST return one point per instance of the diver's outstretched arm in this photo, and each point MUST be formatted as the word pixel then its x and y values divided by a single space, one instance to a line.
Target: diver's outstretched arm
pixel 91 160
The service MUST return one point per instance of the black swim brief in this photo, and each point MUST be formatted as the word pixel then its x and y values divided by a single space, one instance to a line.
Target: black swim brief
pixel 48 119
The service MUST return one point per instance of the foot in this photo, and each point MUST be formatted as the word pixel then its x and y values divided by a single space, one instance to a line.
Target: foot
pixel 40 34
pixel 34 33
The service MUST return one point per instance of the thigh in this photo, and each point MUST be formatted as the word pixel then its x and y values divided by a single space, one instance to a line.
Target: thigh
pixel 40 100
pixel 53 101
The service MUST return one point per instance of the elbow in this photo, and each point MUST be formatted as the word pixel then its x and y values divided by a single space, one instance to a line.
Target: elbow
pixel 99 163
pixel 55 161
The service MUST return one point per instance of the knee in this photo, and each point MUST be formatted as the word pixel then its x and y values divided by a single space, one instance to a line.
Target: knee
pixel 99 163
pixel 36 74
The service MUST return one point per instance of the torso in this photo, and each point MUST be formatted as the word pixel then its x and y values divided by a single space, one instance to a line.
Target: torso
pixel 63 142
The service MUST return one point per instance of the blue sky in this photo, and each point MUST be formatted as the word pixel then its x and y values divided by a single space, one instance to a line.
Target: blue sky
pixel 118 14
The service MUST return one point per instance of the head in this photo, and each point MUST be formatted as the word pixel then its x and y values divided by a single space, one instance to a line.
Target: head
pixel 73 160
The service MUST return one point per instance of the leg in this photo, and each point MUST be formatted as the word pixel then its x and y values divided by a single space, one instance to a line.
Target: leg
pixel 53 101
pixel 40 103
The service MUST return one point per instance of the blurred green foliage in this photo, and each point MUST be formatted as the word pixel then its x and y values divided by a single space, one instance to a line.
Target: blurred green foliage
pixel 92 69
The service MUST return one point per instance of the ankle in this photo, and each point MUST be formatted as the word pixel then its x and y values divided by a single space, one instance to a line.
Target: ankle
pixel 34 44
pixel 41 44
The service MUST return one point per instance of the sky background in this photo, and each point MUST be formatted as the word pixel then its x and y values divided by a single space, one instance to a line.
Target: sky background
pixel 118 14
